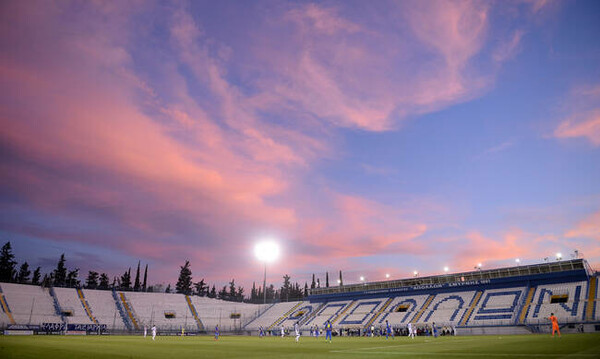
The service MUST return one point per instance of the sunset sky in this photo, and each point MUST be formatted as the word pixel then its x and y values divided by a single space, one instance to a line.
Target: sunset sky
pixel 370 137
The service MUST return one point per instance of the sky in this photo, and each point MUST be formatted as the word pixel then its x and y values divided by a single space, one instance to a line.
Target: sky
pixel 368 137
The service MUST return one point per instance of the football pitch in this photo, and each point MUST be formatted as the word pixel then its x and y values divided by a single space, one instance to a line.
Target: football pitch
pixel 512 346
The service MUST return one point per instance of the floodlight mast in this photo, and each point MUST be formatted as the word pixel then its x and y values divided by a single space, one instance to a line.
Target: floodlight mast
pixel 267 251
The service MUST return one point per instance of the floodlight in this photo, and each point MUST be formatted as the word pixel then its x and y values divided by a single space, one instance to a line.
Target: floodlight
pixel 339 281
pixel 559 256
pixel 415 273
pixel 479 265
pixel 362 279
pixel 267 251
pixel 518 260
pixel 387 275
pixel 446 269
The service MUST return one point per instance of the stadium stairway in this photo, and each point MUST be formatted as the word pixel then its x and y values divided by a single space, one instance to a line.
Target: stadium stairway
pixel 307 319
pixel 6 308
pixel 472 306
pixel 381 310
pixel 129 311
pixel 194 313
pixel 591 300
pixel 121 310
pixel 526 305
pixel 419 314
pixel 57 307
pixel 258 315
pixel 86 306
pixel 285 315
pixel 352 303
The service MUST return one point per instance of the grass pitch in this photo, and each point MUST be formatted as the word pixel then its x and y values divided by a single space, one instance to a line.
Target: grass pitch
pixel 512 346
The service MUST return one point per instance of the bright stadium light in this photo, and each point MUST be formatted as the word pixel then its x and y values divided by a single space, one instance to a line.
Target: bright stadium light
pixel 446 269
pixel 518 260
pixel 267 252
pixel 558 256
pixel 416 273
pixel 387 275
pixel 362 279
pixel 339 282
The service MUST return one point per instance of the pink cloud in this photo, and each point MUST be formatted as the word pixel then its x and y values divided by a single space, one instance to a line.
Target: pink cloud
pixel 586 125
pixel 509 49
pixel 587 228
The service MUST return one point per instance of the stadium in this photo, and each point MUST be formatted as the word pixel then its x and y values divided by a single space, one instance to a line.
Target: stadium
pixel 299 179
pixel 505 301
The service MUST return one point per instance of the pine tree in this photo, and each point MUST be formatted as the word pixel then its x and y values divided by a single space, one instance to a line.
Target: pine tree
pixel 168 290
pixel 137 285
pixel 35 280
pixel 126 280
pixel 201 288
pixel 60 273
pixel 145 278
pixel 305 289
pixel 103 281
pixel 232 291
pixel 223 293
pixel 7 263
pixel 240 294
pixel 47 281
pixel 327 279
pixel 313 285
pixel 72 281
pixel 213 292
pixel 285 290
pixel 253 293
pixel 91 281
pixel 184 283
pixel 24 273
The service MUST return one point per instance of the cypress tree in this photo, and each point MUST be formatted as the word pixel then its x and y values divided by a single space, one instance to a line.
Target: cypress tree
pixel 145 278
pixel 137 285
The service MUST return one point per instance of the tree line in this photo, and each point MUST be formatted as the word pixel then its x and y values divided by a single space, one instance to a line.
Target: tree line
pixel 62 276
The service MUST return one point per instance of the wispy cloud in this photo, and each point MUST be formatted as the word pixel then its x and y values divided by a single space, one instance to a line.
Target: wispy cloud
pixel 584 118
pixel 495 149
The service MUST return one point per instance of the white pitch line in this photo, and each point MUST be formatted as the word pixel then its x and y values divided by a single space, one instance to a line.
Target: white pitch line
pixel 573 355
pixel 426 342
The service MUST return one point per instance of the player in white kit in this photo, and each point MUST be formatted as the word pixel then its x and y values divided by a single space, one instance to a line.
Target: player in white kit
pixel 282 331
pixel 297 329
pixel 411 331
pixel 153 332
pixel 145 331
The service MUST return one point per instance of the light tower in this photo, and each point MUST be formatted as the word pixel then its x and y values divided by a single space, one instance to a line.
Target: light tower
pixel 267 252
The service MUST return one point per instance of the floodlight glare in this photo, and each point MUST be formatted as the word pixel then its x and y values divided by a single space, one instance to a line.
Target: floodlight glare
pixel 415 273
pixel 446 269
pixel 387 275
pixel 518 260
pixel 362 279
pixel 479 265
pixel 558 255
pixel 266 251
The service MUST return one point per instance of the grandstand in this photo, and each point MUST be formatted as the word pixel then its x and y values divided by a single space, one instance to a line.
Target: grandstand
pixel 506 300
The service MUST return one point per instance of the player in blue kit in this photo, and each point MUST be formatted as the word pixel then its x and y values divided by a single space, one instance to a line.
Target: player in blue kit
pixel 217 332
pixel 328 328
pixel 388 331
